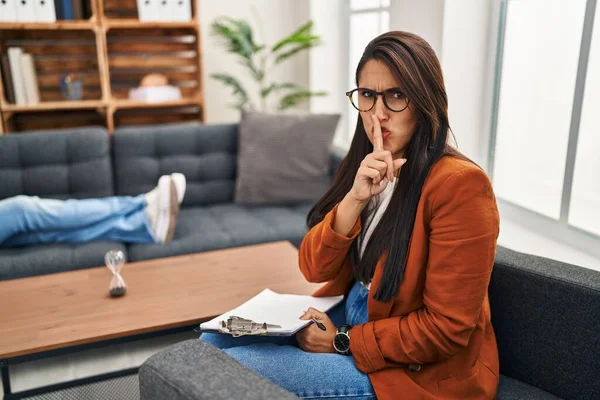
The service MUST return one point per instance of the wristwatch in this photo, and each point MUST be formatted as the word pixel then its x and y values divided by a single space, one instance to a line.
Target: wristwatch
pixel 341 340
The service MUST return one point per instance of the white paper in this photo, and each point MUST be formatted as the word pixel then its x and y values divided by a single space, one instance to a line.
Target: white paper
pixel 278 309
pixel 8 11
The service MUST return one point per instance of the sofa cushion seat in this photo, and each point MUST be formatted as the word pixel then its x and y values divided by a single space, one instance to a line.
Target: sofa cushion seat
pixel 227 225
pixel 51 258
pixel 512 389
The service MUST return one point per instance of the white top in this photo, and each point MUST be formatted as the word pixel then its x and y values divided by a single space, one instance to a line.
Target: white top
pixel 384 199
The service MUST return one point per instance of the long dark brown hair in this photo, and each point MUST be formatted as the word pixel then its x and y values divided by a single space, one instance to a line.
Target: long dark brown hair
pixel 415 65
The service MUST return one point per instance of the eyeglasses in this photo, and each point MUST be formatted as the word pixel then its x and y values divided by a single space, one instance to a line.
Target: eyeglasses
pixel 364 99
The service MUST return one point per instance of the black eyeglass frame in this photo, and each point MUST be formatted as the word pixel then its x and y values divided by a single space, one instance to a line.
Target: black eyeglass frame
pixel 376 94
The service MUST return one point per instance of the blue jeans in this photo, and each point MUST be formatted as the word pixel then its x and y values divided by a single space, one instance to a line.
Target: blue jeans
pixel 307 375
pixel 29 220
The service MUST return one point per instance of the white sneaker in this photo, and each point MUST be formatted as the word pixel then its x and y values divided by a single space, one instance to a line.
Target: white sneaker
pixel 153 202
pixel 180 185
pixel 162 209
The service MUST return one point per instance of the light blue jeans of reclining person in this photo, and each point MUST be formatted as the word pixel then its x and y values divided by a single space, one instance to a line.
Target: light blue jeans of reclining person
pixel 29 220
pixel 307 375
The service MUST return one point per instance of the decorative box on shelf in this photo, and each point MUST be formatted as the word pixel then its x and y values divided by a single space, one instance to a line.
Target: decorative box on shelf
pixel 155 94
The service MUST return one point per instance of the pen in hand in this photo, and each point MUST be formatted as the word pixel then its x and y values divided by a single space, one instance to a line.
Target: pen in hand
pixel 320 325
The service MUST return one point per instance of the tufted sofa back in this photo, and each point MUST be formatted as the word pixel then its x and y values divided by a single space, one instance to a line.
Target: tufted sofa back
pixel 62 163
pixel 205 154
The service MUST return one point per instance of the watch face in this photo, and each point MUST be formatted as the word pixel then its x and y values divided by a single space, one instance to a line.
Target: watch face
pixel 341 342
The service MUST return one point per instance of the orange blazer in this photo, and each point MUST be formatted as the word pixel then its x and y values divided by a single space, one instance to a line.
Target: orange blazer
pixel 434 340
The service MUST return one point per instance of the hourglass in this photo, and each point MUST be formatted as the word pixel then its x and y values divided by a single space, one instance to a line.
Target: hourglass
pixel 114 260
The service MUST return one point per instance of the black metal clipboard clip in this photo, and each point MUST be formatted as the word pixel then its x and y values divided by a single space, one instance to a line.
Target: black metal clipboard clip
pixel 238 326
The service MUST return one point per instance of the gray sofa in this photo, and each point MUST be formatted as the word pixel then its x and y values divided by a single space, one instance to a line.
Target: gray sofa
pixel 87 162
pixel 546 316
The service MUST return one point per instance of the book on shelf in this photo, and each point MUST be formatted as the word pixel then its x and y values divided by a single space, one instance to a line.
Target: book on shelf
pixel 44 11
pixel 9 90
pixel 19 77
pixel 32 91
pixel 27 11
pixel 8 11
pixel 164 10
pixel 77 9
pixel 148 10
pixel 58 8
pixel 67 9
pixel 181 10
pixel 73 9
pixel 16 74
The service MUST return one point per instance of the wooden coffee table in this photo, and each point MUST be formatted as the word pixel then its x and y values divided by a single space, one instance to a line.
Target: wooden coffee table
pixel 52 314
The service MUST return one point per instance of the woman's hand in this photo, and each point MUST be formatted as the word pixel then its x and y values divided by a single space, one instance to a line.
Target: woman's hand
pixel 374 168
pixel 312 338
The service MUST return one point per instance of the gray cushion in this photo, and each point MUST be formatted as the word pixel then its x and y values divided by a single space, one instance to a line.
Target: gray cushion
pixel 197 370
pixel 65 163
pixel 51 258
pixel 547 321
pixel 512 389
pixel 227 225
pixel 284 159
pixel 205 154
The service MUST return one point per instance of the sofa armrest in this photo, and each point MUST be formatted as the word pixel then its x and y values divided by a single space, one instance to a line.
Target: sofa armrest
pixel 196 370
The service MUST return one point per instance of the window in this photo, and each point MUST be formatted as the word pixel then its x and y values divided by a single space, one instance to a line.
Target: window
pixel 536 98
pixel 584 210
pixel 545 149
pixel 368 19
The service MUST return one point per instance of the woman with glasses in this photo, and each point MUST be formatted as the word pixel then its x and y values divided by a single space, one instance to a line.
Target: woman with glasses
pixel 407 232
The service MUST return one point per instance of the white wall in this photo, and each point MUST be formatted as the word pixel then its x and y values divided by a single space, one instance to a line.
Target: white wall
pixel 279 19
pixel 423 17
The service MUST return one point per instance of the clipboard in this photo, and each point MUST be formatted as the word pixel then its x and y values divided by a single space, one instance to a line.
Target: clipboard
pixel 268 314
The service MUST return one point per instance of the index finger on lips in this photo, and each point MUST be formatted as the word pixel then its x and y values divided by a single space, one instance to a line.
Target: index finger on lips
pixel 377 137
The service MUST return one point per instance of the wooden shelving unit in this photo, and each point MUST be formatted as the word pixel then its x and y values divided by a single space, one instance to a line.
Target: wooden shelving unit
pixel 54 105
pixel 58 25
pixel 111 52
pixel 132 23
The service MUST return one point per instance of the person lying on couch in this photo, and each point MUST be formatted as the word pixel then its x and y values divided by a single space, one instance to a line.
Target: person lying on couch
pixel 145 218
pixel 407 232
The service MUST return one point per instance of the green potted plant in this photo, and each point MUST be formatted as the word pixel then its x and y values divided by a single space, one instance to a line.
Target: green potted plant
pixel 260 60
